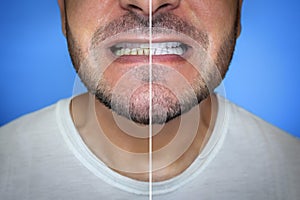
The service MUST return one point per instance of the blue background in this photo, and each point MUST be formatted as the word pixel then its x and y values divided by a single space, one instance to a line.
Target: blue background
pixel 264 76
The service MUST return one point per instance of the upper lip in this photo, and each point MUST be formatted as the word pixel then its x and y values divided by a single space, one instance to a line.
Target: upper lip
pixel 143 39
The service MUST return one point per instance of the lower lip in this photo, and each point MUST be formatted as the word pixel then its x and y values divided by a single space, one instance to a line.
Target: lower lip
pixel 146 59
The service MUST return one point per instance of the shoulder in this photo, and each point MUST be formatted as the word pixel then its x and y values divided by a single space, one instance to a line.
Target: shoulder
pixel 255 138
pixel 31 129
pixel 259 155
pixel 31 148
pixel 31 121
pixel 244 124
pixel 35 121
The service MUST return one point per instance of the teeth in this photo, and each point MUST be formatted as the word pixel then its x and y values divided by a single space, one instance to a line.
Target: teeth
pixel 140 51
pixel 165 48
pixel 152 51
pixel 146 52
pixel 127 51
pixel 133 52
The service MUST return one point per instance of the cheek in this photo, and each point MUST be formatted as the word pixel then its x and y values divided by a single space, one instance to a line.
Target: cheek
pixel 216 18
pixel 221 25
pixel 208 15
pixel 86 16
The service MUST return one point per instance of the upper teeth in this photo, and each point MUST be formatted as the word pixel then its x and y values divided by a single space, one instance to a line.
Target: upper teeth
pixel 163 48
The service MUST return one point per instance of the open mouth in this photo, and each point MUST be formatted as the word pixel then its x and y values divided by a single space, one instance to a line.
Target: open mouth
pixel 143 49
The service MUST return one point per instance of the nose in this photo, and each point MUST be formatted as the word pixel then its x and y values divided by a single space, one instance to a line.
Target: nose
pixel 142 7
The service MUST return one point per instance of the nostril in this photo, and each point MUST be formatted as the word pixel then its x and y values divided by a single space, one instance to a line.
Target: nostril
pixel 163 6
pixel 142 6
pixel 134 7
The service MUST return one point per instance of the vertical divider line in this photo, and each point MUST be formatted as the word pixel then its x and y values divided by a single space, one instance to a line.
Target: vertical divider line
pixel 150 100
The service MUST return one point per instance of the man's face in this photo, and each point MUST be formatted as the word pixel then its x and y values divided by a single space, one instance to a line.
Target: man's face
pixel 191 43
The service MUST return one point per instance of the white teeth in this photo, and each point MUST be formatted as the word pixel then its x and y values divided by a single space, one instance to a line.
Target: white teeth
pixel 127 51
pixel 163 48
pixel 152 51
pixel 146 52
pixel 133 52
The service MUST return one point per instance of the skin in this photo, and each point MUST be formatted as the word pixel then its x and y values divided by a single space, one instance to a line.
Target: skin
pixel 217 18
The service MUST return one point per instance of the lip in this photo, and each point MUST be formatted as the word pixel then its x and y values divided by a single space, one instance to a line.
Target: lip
pixel 156 59
pixel 135 37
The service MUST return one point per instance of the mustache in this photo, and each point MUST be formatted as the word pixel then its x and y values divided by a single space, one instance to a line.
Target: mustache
pixel 163 23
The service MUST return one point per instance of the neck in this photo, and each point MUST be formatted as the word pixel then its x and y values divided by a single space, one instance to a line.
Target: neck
pixel 124 145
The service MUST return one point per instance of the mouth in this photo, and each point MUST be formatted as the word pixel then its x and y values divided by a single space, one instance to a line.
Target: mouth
pixel 143 49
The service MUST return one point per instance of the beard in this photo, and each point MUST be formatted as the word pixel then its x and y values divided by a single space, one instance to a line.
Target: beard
pixel 171 94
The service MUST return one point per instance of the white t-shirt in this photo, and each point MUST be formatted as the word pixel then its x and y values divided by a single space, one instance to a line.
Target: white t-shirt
pixel 42 156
